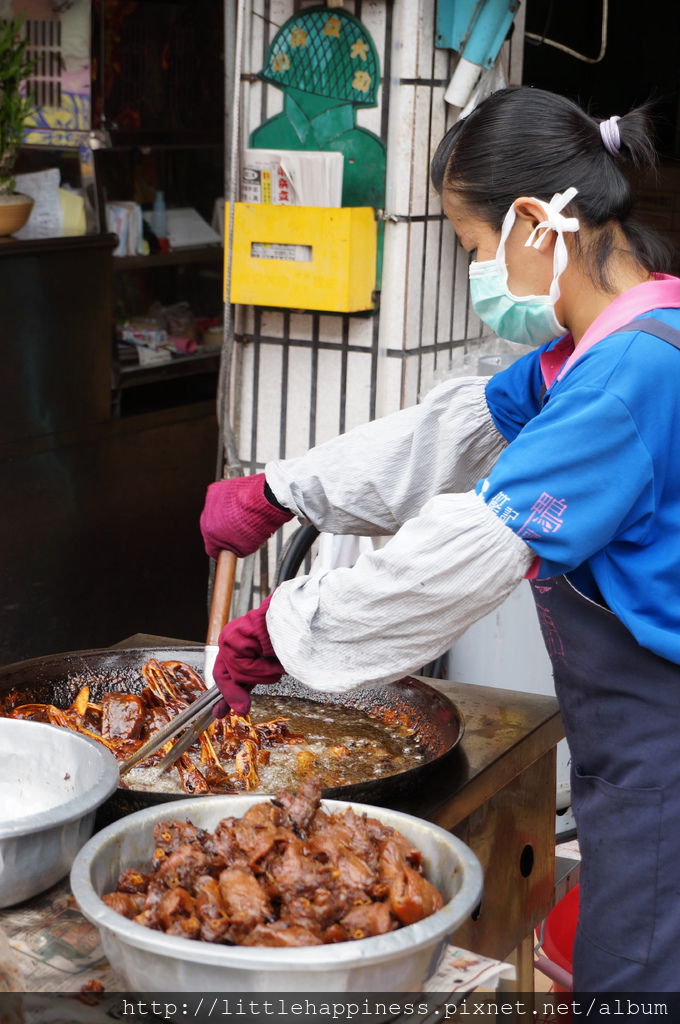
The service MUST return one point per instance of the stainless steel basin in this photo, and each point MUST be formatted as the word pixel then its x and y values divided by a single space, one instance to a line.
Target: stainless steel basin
pixel 51 783
pixel 150 961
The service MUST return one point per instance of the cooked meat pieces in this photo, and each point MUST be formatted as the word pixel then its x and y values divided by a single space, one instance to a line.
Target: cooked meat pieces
pixel 124 721
pixel 257 841
pixel 412 897
pixel 224 843
pixel 354 873
pixel 244 899
pixel 168 835
pixel 285 874
pixel 177 914
pixel 210 910
pixel 192 779
pixel 218 780
pixel 262 815
pixel 127 904
pixel 276 731
pixel 320 911
pixel 296 873
pixel 183 866
pixel 122 716
pixel 250 839
pixel 131 880
pixel 299 808
pixel 368 919
pixel 149 915
pixel 360 839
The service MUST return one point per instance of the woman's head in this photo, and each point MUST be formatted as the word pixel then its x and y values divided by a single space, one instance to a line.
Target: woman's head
pixel 532 143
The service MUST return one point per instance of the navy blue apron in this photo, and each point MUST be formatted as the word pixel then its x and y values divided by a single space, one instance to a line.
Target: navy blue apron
pixel 620 704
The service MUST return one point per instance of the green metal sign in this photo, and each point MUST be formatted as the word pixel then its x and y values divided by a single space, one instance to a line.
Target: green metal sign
pixel 326 64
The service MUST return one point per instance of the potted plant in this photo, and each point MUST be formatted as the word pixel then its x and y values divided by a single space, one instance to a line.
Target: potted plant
pixel 15 106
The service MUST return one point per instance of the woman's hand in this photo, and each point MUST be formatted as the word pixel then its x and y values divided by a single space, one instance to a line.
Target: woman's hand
pixel 238 516
pixel 246 659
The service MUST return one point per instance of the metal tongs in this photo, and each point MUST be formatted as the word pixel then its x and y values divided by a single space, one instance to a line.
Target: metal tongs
pixel 196 718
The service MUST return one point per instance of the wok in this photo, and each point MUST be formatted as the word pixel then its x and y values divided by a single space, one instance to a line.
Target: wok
pixel 438 723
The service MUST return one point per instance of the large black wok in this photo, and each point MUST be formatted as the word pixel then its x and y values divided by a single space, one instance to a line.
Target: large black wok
pixel 437 723
pixel 55 680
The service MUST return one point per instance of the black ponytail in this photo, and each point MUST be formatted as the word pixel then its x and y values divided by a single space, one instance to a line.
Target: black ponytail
pixel 636 132
pixel 524 141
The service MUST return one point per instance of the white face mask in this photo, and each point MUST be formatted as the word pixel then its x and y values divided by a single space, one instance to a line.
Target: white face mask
pixel 527 319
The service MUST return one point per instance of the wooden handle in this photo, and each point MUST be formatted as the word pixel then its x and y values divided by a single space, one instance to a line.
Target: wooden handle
pixel 223 586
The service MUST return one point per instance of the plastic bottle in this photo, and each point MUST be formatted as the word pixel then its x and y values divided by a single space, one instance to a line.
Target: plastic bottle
pixel 158 218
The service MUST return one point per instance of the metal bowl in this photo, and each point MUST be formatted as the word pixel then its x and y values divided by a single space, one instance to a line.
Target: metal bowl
pixel 150 961
pixel 51 783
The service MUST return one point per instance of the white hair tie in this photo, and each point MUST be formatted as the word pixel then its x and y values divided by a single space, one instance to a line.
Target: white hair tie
pixel 611 138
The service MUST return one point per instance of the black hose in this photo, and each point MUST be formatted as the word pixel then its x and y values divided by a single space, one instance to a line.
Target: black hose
pixel 294 552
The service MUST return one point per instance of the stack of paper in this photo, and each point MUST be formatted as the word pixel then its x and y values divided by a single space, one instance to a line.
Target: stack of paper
pixel 292 177
pixel 186 228
pixel 56 212
pixel 125 220
pixel 46 220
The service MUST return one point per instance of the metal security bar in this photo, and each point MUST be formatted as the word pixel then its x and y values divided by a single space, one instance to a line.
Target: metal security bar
pixel 44 47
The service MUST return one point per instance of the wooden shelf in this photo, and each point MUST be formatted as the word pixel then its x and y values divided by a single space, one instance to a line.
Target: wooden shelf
pixel 199 254
pixel 181 366
pixel 156 142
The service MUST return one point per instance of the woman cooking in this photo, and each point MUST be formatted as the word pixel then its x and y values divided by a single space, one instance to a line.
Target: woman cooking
pixel 563 469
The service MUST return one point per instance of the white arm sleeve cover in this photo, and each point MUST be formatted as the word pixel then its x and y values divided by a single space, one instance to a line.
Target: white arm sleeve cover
pixel 401 606
pixel 372 479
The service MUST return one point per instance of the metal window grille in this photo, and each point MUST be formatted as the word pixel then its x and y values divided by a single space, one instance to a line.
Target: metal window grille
pixel 44 47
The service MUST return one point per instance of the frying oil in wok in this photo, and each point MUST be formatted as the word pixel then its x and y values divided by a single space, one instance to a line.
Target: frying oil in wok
pixel 343 745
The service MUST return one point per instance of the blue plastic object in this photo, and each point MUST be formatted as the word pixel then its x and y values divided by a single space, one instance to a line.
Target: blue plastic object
pixel 476 28
pixel 158 216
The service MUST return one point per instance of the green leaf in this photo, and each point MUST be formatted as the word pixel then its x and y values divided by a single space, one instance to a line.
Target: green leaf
pixel 15 105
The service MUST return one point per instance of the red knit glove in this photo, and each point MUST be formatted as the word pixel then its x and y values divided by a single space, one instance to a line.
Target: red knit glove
pixel 246 659
pixel 237 516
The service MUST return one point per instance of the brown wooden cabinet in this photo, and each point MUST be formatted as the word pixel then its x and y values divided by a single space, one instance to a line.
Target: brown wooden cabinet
pixel 99 518
pixel 103 466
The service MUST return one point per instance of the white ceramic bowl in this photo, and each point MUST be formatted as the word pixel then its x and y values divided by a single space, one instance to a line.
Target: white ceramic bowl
pixel 150 961
pixel 51 783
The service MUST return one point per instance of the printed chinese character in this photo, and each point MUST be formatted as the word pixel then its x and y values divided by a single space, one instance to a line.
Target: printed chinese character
pixel 280 62
pixel 359 49
pixel 361 81
pixel 298 37
pixel 332 26
pixel 547 512
pixel 498 500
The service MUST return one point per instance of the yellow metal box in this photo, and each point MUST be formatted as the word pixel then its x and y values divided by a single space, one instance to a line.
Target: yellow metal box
pixel 304 257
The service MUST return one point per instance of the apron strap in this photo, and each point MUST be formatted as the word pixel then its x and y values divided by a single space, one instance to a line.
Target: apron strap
pixel 657 328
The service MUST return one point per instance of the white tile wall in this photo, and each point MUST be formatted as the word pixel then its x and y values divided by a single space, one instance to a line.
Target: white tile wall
pixel 269 396
pixel 299 400
pixel 358 397
pixel 328 396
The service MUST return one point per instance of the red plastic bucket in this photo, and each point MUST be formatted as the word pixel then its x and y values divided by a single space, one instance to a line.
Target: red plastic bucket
pixel 557 938
pixel 560 929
